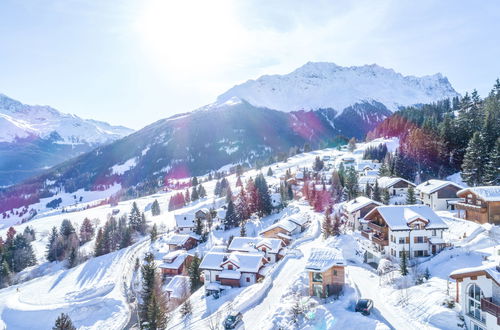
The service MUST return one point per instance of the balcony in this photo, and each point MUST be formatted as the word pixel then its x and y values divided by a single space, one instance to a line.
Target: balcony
pixel 376 227
pixel 488 306
pixel 365 234
pixel 380 241
pixel 471 207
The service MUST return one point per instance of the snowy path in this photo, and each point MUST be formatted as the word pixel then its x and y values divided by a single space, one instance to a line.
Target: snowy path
pixel 367 285
pixel 94 294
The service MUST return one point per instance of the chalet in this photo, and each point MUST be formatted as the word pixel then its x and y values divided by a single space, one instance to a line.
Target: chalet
pixel 185 223
pixel 397 229
pixel 480 204
pixel 202 214
pixel 232 269
pixel 176 263
pixel 325 268
pixel 181 241
pixel 478 292
pixel 284 229
pixel 276 200
pixel 271 248
pixel 178 289
pixel 356 209
pixel 364 180
pixel 439 195
pixel 395 186
pixel 302 222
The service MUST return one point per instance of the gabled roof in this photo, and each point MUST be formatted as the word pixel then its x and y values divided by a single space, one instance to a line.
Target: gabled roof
pixel 251 244
pixel 285 224
pixel 358 203
pixel 370 179
pixel 178 257
pixel 298 220
pixel 398 217
pixel 322 259
pixel 178 286
pixel 387 182
pixel 490 270
pixel 184 220
pixel 213 260
pixel 486 193
pixel 245 262
pixel 431 186
pixel 179 239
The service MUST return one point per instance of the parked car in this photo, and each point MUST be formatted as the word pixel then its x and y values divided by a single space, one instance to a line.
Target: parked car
pixel 364 306
pixel 232 320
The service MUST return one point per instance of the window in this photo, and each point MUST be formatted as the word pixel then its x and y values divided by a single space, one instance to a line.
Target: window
pixel 474 295
pixel 418 239
pixel 230 267
pixel 317 277
pixel 434 232
pixel 248 279
pixel 216 277
pixel 401 240
pixel 334 272
pixel 420 253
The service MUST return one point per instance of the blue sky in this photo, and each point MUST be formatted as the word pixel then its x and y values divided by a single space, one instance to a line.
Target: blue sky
pixel 132 62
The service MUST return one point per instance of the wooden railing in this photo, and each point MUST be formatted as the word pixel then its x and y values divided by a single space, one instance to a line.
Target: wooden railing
pixel 488 306
pixel 376 227
pixel 380 241
pixel 365 234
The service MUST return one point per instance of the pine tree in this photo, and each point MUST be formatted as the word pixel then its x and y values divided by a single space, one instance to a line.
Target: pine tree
pixel 269 171
pixel 194 273
pixel 194 181
pixel 155 208
pixel 336 226
pixel 148 271
pixel 194 194
pixel 63 322
pixel 135 218
pixel 264 206
pixel 153 234
pixel 492 168
pixel 99 243
pixel 198 229
pixel 243 231
pixel 201 191
pixel 404 264
pixel 410 196
pixel 351 183
pixel 474 160
pixel 187 196
pixel 86 231
pixel 376 193
pixel 386 197
pixel 73 257
pixel 5 273
pixel 326 226
pixel 231 217
pixel 51 253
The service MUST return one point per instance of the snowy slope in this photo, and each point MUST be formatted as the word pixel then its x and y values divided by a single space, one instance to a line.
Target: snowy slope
pixel 327 85
pixel 19 120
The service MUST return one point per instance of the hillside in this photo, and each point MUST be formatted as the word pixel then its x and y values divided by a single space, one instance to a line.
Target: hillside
pixel 33 138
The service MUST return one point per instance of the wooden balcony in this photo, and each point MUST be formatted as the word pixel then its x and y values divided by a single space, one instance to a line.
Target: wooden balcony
pixel 376 227
pixel 380 241
pixel 365 234
pixel 488 306
pixel 471 207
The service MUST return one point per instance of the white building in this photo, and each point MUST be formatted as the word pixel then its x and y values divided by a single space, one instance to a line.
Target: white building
pixel 356 209
pixel 270 248
pixel 395 186
pixel 478 292
pixel 232 269
pixel 178 289
pixel 394 229
pixel 439 195
pixel 185 223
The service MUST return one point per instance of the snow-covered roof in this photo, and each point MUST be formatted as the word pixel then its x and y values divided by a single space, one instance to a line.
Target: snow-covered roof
pixel 179 239
pixel 174 259
pixel 431 186
pixel 285 224
pixel 489 269
pixel 213 260
pixel 322 259
pixel 372 172
pixel 486 193
pixel 299 220
pixel 246 262
pixel 250 244
pixel 358 203
pixel 178 286
pixel 184 220
pixel 370 179
pixel 398 217
pixel 387 182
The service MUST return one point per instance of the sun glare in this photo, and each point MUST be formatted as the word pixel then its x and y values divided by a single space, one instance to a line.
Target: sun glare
pixel 189 36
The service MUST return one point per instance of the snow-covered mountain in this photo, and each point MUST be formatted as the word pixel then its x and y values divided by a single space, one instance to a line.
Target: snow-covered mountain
pixel 319 85
pixel 33 138
pixel 20 121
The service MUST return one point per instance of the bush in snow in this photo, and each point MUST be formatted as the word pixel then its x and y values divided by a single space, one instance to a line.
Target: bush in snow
pixel 63 322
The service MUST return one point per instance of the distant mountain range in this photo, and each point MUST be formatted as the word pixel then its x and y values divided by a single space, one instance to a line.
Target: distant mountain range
pixel 317 104
pixel 33 138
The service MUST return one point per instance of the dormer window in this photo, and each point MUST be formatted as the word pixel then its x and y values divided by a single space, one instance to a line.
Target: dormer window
pixel 230 267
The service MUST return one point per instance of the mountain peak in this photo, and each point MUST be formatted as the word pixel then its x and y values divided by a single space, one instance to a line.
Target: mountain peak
pixel 318 85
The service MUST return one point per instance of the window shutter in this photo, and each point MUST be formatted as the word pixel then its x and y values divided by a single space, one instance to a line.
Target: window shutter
pixel 415 240
pixel 407 240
